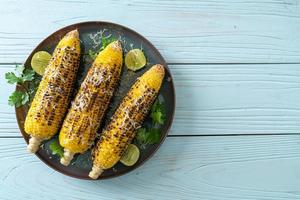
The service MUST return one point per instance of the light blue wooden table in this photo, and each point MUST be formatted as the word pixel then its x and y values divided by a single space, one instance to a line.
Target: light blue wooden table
pixel 236 67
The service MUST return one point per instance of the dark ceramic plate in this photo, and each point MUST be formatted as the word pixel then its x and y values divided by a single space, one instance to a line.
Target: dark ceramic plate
pixel 81 164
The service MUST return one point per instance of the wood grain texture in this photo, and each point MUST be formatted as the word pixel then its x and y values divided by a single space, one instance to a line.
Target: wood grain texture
pixel 184 31
pixel 212 168
pixel 217 99
pixel 222 99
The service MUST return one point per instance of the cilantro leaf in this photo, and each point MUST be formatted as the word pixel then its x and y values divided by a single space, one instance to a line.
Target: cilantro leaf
pixel 20 68
pixel 56 148
pixel 150 136
pixel 141 136
pixel 157 117
pixel 28 75
pixel 12 78
pixel 153 136
pixel 18 98
pixel 158 114
pixel 23 96
pixel 106 41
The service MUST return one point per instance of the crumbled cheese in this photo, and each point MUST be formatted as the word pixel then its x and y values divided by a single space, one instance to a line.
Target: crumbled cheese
pixel 96 38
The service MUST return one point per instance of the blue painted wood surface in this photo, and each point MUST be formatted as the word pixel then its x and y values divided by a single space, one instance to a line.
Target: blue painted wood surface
pixel 236 67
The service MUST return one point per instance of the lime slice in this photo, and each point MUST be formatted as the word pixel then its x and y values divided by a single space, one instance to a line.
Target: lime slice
pixel 40 61
pixel 131 155
pixel 135 59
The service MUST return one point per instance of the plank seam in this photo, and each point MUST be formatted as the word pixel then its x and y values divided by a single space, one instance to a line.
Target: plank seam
pixel 253 63
pixel 206 135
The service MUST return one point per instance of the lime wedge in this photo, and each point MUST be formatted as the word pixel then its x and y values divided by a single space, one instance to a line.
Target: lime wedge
pixel 131 155
pixel 135 59
pixel 40 61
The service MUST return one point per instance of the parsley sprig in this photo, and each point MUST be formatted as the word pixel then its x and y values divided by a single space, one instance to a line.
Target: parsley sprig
pixel 148 136
pixel 158 114
pixel 27 80
pixel 152 135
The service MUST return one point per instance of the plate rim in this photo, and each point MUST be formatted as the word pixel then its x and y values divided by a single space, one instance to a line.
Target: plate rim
pixel 162 139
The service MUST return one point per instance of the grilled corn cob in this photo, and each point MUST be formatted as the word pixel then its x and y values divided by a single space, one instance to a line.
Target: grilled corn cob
pixel 126 120
pixel 50 103
pixel 83 119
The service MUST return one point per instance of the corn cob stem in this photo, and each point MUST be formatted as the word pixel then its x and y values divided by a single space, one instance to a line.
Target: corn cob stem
pixel 95 172
pixel 68 156
pixel 34 144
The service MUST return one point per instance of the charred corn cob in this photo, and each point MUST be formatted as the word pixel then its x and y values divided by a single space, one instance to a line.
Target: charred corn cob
pixel 50 103
pixel 83 119
pixel 126 120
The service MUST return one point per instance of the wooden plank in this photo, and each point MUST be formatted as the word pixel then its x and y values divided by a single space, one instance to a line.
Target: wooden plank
pixel 225 168
pixel 184 31
pixel 217 99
